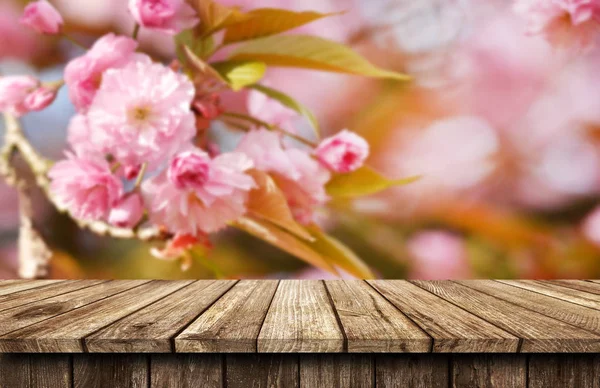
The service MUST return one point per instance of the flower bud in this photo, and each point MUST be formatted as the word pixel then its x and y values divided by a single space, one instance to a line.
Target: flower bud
pixel 127 212
pixel 40 98
pixel 42 17
pixel 345 152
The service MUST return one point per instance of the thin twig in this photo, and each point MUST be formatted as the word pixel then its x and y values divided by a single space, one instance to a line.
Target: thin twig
pixel 136 31
pixel 140 177
pixel 15 140
pixel 260 123
pixel 75 42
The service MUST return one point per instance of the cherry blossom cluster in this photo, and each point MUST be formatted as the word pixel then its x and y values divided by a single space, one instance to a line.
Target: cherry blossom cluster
pixel 136 153
pixel 573 24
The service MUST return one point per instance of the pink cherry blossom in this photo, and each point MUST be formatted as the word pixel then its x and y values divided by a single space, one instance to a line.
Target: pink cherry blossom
pixel 266 150
pixel 438 255
pixel 14 90
pixel 83 75
pixel 40 98
pixel 343 152
pixel 566 23
pixel 141 113
pixel 42 17
pixel 271 111
pixel 85 187
pixel 169 16
pixel 301 178
pixel 197 194
pixel 127 212
pixel 80 138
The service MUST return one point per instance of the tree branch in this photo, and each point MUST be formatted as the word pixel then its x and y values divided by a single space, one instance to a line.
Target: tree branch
pixel 16 141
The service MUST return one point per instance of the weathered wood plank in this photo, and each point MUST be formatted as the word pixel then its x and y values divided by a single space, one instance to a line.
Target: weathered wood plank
pixel 186 371
pixel 559 292
pixel 336 371
pixel 371 323
pixel 65 332
pixel 486 370
pixel 412 371
pixel 564 371
pixel 22 316
pixel 539 333
pixel 152 329
pixel 300 319
pixel 262 370
pixel 9 287
pixel 114 370
pixel 573 314
pixel 37 294
pixel 581 285
pixel 453 329
pixel 233 323
pixel 35 371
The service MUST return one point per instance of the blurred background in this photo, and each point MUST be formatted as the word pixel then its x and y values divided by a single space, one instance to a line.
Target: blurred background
pixel 504 129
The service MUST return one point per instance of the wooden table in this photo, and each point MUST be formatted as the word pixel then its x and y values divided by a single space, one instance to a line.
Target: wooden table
pixel 290 333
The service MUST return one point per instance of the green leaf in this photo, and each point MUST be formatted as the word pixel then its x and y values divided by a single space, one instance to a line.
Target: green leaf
pixel 338 254
pixel 363 181
pixel 289 102
pixel 283 240
pixel 268 202
pixel 201 47
pixel 198 66
pixel 240 74
pixel 311 53
pixel 214 16
pixel 269 21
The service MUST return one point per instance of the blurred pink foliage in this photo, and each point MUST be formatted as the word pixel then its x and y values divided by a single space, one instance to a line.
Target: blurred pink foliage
pixel 503 114
pixel 438 255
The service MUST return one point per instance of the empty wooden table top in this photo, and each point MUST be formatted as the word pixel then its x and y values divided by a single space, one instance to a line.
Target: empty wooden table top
pixel 305 316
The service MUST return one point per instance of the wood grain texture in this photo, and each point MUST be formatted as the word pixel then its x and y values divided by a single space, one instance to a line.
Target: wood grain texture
pixel 35 371
pixel 559 292
pixel 371 323
pixel 65 332
pixel 336 371
pixel 186 371
pixel 152 329
pixel 48 291
pixel 564 371
pixel 10 287
pixel 493 371
pixel 107 371
pixel 261 370
pixel 233 323
pixel 538 332
pixel 453 329
pixel 22 316
pixel 581 285
pixel 412 371
pixel 300 319
pixel 564 311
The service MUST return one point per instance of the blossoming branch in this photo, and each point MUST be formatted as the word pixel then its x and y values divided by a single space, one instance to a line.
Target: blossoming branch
pixel 141 161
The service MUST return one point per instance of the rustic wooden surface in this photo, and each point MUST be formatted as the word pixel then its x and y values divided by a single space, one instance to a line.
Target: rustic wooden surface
pixel 290 316
pixel 252 333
